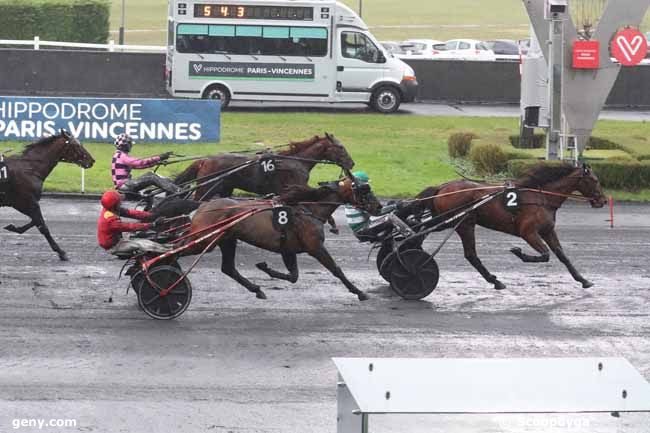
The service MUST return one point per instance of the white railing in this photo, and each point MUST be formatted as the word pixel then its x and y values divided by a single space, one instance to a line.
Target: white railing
pixel 111 46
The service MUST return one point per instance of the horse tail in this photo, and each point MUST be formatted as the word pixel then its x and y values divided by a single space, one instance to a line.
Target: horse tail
pixel 190 173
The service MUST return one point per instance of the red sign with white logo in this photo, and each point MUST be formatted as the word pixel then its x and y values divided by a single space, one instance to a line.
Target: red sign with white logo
pixel 629 46
pixel 586 54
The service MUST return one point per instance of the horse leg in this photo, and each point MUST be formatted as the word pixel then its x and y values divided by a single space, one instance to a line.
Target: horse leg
pixel 553 242
pixel 467 236
pixel 20 230
pixel 37 219
pixel 333 227
pixel 325 259
pixel 290 261
pixel 228 251
pixel 534 240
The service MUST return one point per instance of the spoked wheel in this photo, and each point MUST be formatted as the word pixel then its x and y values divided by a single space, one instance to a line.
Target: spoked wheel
pixel 414 275
pixel 385 257
pixel 384 251
pixel 171 305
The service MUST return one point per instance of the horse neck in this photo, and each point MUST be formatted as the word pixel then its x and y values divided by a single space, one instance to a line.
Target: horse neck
pixel 566 185
pixel 43 159
pixel 314 151
pixel 325 206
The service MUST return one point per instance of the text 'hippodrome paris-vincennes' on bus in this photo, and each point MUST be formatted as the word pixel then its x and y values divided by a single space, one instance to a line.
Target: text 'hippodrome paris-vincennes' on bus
pixel 98 121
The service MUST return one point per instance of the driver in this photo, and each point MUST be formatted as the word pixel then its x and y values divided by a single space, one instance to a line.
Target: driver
pixel 122 164
pixel 110 227
pixel 365 227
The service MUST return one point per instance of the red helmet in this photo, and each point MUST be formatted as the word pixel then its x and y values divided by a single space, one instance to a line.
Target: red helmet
pixel 111 200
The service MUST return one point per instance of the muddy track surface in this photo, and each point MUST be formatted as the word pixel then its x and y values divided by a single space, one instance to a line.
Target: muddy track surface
pixel 233 363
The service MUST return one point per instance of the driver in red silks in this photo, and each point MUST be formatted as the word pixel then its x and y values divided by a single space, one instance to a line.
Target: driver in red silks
pixel 110 227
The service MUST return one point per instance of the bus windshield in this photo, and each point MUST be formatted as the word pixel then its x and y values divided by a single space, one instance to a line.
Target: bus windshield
pixel 252 40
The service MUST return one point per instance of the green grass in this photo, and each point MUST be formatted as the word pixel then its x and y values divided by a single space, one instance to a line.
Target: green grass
pixel 402 154
pixel 441 20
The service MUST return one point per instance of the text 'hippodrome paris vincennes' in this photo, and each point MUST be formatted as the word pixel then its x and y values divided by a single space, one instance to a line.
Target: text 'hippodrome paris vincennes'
pixel 98 121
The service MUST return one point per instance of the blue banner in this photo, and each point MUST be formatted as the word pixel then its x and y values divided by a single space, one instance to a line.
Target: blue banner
pixel 94 119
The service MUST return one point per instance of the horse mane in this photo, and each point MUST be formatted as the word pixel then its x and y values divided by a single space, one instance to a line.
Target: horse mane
pixel 542 174
pixel 296 147
pixel 293 194
pixel 45 141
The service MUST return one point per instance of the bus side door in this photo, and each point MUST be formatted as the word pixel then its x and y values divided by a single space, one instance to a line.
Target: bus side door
pixel 357 65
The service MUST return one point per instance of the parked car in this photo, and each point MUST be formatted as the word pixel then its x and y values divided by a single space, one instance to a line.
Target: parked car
pixel 504 49
pixel 419 48
pixel 463 49
pixel 524 46
pixel 393 48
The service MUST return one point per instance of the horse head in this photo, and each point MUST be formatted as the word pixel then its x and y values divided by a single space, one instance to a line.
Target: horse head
pixel 589 186
pixel 333 150
pixel 73 151
pixel 358 194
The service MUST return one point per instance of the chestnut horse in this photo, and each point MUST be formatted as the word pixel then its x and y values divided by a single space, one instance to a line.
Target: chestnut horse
pixel 266 179
pixel 542 190
pixel 309 207
pixel 22 185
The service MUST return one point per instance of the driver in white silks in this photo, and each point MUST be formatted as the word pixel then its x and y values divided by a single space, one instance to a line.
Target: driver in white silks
pixel 367 228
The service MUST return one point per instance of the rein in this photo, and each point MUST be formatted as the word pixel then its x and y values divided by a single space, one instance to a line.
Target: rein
pixel 537 190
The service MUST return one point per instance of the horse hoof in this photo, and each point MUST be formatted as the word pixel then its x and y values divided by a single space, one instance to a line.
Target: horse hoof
pixel 260 295
pixel 362 296
pixel 63 257
pixel 498 285
pixel 516 251
pixel 262 266
pixel 11 228
pixel 334 231
pixel 586 284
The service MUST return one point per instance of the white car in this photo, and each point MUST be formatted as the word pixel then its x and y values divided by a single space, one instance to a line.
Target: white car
pixel 464 49
pixel 418 48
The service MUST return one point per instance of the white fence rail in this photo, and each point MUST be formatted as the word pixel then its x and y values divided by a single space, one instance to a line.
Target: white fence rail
pixel 37 43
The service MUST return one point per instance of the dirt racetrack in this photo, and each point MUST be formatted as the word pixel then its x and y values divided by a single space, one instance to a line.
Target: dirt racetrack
pixel 233 363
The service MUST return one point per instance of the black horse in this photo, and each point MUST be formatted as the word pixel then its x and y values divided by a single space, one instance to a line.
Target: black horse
pixel 21 180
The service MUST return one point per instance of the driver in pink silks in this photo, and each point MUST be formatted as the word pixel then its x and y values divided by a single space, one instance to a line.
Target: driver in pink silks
pixel 122 164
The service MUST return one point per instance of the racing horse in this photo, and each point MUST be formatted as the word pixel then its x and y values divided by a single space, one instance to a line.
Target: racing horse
pixel 266 178
pixel 542 190
pixel 309 208
pixel 21 182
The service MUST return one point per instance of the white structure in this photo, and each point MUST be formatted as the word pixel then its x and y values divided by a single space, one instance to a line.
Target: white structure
pixel 283 50
pixel 372 386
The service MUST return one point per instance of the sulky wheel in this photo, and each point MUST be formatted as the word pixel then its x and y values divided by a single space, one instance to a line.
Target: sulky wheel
pixel 384 251
pixel 414 275
pixel 171 305
pixel 386 255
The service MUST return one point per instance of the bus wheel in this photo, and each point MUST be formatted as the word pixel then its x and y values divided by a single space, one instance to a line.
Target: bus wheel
pixel 218 92
pixel 386 100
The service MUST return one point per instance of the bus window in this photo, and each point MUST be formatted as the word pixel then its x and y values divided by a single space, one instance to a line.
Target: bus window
pixel 357 46
pixel 252 40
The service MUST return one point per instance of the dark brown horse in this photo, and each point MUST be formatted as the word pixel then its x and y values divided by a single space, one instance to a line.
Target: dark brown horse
pixel 23 185
pixel 534 221
pixel 265 178
pixel 309 209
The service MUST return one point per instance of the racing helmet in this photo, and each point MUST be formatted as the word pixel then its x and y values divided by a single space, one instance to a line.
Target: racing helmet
pixel 124 142
pixel 361 176
pixel 111 199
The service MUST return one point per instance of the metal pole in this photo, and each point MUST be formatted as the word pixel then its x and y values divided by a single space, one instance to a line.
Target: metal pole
pixel 360 8
pixel 122 21
pixel 555 58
